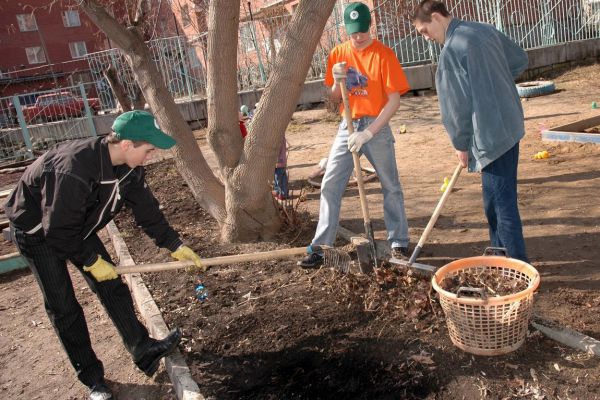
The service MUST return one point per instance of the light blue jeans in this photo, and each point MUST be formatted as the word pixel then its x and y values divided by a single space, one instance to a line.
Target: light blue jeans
pixel 381 154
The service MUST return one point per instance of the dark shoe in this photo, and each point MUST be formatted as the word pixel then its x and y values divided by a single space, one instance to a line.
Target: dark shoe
pixel 312 260
pixel 401 253
pixel 100 392
pixel 159 349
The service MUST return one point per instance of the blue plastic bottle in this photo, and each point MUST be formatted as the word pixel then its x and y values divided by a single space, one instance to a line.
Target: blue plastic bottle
pixel 201 291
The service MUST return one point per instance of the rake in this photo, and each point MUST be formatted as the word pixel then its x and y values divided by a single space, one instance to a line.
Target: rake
pixel 332 258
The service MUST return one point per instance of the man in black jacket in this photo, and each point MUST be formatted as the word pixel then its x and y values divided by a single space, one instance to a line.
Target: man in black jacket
pixel 59 204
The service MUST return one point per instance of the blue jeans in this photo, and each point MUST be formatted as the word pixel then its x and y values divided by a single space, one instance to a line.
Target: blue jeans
pixel 381 154
pixel 499 185
pixel 280 184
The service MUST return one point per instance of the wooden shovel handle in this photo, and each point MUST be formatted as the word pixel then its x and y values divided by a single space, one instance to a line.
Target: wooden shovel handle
pixel 357 168
pixel 237 258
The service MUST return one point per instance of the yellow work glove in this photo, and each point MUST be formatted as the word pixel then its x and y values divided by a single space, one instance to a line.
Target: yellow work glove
pixel 102 270
pixel 185 253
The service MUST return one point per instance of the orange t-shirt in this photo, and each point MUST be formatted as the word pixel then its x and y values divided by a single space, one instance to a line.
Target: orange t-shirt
pixel 379 71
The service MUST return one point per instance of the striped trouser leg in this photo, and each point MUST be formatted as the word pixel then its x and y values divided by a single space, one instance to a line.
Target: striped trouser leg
pixel 65 313
pixel 117 301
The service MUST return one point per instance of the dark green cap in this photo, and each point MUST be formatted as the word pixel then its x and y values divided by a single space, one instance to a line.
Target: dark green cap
pixel 357 18
pixel 141 126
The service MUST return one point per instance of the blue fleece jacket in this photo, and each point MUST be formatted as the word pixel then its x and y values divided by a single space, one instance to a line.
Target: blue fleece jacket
pixel 475 79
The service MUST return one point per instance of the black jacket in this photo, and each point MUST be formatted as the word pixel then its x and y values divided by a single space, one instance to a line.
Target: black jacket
pixel 73 191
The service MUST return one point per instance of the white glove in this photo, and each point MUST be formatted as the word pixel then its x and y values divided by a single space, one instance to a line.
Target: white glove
pixel 339 71
pixel 357 139
pixel 323 163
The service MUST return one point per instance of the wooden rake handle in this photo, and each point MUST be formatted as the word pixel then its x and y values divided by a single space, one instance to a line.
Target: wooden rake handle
pixel 168 266
pixel 436 214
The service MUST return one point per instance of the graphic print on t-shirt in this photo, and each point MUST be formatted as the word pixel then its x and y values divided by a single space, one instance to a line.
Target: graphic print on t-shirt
pixel 356 83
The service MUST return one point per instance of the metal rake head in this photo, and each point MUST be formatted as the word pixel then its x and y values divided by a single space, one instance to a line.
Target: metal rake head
pixel 338 259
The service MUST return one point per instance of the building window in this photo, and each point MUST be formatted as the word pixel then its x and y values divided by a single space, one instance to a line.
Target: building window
pixel 185 15
pixel 78 49
pixel 35 55
pixel 71 18
pixel 26 22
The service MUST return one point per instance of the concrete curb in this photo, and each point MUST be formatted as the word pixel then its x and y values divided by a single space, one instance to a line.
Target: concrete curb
pixel 179 373
pixel 11 262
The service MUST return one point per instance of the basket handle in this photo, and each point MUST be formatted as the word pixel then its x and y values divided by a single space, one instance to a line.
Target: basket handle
pixel 481 291
pixel 496 251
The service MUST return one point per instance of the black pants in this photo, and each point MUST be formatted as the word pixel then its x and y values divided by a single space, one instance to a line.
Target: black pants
pixel 65 313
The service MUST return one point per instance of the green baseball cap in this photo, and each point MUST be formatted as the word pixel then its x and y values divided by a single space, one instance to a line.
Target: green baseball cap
pixel 141 126
pixel 357 18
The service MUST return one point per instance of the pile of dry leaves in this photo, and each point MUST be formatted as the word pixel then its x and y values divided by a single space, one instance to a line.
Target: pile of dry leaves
pixel 491 280
pixel 391 292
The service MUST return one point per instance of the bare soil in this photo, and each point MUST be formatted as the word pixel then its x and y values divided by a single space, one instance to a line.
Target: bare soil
pixel 272 330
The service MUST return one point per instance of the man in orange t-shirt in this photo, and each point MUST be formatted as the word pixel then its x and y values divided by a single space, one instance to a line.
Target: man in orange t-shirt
pixel 375 81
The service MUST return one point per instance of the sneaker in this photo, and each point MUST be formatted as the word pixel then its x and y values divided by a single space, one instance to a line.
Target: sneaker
pixel 100 392
pixel 400 253
pixel 312 260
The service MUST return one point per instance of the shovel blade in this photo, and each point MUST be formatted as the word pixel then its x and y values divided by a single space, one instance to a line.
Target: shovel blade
pixel 364 252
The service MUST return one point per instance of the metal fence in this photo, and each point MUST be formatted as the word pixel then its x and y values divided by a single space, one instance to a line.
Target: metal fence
pixel 182 61
pixel 530 23
pixel 32 122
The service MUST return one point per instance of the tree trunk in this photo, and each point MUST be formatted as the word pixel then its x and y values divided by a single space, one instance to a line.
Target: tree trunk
pixel 244 208
pixel 192 166
pixel 123 102
pixel 273 51
pixel 224 134
pixel 221 90
pixel 139 100
pixel 248 186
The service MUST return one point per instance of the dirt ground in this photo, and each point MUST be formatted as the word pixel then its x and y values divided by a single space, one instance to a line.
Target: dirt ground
pixel 272 330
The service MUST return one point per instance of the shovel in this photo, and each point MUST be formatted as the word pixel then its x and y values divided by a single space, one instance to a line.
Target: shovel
pixel 369 250
pixel 411 263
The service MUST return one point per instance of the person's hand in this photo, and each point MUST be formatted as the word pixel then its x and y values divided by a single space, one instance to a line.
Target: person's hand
pixel 339 71
pixel 184 253
pixel 463 158
pixel 358 139
pixel 102 270
pixel 354 79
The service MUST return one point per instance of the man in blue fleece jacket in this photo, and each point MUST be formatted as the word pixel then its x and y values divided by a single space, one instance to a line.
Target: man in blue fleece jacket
pixel 481 110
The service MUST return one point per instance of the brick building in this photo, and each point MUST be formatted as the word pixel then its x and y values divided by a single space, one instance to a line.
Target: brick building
pixel 44 47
